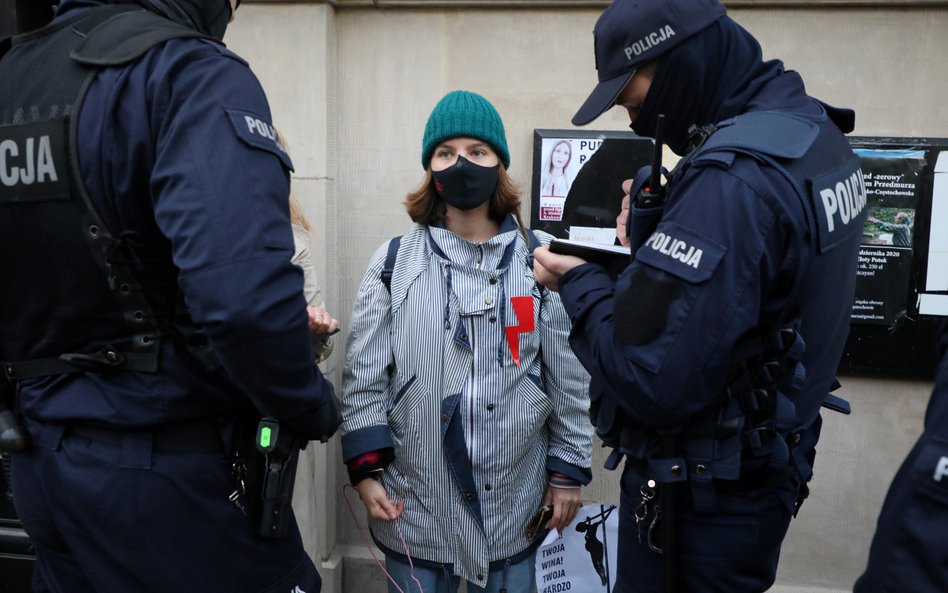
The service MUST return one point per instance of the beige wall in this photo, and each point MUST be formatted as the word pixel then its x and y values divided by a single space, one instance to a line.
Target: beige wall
pixel 351 88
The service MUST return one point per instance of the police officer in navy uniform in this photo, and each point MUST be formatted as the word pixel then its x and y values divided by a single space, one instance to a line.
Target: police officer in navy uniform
pixel 149 303
pixel 713 351
pixel 910 548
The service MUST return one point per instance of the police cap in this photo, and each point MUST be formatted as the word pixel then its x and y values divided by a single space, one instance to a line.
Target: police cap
pixel 633 32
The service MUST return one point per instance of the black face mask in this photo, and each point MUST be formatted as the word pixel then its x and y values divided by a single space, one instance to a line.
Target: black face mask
pixel 465 185
pixel 710 77
pixel 207 16
pixel 218 24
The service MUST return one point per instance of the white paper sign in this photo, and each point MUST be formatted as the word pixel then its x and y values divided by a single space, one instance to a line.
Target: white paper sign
pixel 583 558
pixel 592 234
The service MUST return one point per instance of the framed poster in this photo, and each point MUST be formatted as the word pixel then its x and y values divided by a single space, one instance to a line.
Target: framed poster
pixel 577 180
pixel 902 276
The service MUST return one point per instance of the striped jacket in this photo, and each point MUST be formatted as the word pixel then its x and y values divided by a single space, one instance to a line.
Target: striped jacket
pixel 430 371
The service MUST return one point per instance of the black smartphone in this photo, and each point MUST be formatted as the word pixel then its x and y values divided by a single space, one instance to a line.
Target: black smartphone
pixel 537 523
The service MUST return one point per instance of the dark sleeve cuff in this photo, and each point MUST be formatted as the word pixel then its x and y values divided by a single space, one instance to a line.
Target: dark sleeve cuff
pixel 582 285
pixel 368 464
pixel 370 438
pixel 583 475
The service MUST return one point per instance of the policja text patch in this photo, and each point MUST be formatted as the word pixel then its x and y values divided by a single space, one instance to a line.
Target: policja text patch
pixel 941 470
pixel 33 162
pixel 259 133
pixel 681 252
pixel 839 200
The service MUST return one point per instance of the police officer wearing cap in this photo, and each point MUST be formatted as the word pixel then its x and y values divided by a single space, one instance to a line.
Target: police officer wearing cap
pixel 908 551
pixel 713 352
pixel 149 303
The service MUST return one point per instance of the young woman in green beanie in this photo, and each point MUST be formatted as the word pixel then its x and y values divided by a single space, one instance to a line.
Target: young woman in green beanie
pixel 464 408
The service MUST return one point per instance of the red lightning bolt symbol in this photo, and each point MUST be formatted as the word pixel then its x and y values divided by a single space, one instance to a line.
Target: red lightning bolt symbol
pixel 523 309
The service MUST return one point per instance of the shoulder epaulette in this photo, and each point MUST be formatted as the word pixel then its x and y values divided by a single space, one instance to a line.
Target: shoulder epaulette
pixel 126 36
pixel 774 134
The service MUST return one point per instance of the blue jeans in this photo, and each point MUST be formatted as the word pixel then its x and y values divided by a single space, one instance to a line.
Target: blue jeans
pixel 515 578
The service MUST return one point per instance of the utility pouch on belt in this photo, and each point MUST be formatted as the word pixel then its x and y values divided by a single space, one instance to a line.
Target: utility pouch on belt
pixel 281 451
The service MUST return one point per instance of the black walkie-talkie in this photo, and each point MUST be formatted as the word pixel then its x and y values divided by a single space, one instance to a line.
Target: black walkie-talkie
pixel 653 194
pixel 648 197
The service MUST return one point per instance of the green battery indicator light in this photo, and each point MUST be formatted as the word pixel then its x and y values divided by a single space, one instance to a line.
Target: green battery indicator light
pixel 265 437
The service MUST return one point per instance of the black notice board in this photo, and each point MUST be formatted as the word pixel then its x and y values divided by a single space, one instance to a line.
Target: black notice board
pixel 902 282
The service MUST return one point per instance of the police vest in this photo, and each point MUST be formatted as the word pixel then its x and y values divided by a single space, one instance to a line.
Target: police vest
pixel 767 387
pixel 71 297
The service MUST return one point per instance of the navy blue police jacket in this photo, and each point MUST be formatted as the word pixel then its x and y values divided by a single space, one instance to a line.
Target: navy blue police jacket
pixel 728 256
pixel 178 147
pixel 908 550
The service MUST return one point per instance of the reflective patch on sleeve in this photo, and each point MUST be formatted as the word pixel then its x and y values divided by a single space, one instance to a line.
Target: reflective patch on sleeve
pixel 682 252
pixel 839 204
pixel 259 133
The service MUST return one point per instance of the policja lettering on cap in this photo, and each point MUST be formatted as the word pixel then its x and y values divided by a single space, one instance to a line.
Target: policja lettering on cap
pixel 633 32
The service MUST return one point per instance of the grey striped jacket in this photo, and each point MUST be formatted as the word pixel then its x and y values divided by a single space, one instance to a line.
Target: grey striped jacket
pixel 430 371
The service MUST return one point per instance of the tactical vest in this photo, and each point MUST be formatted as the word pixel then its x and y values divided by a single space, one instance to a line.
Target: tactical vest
pixel 758 417
pixel 71 299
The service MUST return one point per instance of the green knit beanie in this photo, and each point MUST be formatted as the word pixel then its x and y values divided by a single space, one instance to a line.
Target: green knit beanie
pixel 462 113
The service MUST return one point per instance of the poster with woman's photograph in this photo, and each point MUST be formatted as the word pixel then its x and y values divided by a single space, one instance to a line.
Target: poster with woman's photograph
pixel 557 174
pixel 577 181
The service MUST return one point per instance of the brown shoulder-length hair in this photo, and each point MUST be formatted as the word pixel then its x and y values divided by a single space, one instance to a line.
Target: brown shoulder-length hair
pixel 425 206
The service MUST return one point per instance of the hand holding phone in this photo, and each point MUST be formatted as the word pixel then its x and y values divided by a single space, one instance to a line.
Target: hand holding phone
pixel 537 523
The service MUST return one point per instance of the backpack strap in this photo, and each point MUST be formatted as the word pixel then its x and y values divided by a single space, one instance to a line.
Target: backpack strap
pixel 533 243
pixel 389 267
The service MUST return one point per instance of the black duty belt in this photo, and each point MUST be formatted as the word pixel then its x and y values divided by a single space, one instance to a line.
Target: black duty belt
pixel 198 436
pixel 750 480
pixel 105 360
pixel 755 481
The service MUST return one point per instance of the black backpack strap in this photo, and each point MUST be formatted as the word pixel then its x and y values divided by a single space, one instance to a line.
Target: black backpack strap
pixel 532 243
pixel 389 267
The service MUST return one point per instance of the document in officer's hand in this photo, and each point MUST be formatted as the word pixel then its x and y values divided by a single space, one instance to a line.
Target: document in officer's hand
pixel 612 257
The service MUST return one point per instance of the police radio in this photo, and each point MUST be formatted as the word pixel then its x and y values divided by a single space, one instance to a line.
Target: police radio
pixel 281 451
pixel 653 194
pixel 647 195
